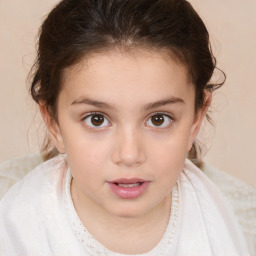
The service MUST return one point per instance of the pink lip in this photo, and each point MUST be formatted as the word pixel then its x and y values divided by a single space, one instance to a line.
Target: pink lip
pixel 128 192
pixel 127 181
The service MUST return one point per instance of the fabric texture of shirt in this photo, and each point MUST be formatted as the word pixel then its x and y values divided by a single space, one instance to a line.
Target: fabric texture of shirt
pixel 37 217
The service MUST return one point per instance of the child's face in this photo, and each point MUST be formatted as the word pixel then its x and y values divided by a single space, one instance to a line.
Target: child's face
pixel 125 119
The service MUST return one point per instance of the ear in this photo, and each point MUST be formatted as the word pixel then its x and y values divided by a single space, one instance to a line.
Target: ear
pixel 53 128
pixel 199 118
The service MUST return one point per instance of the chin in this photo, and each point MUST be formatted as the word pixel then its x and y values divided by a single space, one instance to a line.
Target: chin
pixel 128 211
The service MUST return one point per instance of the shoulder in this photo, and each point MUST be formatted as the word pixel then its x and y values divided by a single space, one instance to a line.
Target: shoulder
pixel 206 188
pixel 33 219
pixel 241 197
pixel 38 185
pixel 214 207
pixel 15 169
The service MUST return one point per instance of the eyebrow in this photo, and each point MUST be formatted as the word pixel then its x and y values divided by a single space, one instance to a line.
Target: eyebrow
pixel 164 102
pixel 147 107
pixel 91 102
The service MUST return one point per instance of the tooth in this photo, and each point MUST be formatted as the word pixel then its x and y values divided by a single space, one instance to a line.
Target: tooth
pixel 129 185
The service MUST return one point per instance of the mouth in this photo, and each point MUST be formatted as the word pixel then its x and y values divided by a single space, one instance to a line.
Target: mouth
pixel 130 185
pixel 128 182
pixel 128 188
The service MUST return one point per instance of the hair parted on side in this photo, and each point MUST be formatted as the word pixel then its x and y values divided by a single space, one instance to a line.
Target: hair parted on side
pixel 77 28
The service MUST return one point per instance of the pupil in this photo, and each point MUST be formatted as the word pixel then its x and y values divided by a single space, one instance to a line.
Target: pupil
pixel 97 120
pixel 158 120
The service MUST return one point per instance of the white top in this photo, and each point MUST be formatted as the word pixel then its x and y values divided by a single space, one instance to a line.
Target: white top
pixel 37 217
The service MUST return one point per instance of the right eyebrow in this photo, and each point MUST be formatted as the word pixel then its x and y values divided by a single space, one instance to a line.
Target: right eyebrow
pixel 94 103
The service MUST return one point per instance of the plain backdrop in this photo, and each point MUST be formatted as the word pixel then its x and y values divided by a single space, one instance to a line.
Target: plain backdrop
pixel 232 27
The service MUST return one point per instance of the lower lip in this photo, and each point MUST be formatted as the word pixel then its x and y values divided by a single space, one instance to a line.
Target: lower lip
pixel 129 193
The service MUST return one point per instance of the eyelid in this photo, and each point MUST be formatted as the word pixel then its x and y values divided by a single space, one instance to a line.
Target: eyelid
pixel 95 113
pixel 163 114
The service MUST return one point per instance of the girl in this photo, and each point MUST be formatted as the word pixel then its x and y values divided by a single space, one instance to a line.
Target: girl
pixel 123 86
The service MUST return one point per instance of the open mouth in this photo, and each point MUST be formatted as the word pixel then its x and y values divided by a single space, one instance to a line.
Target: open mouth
pixel 129 185
pixel 128 188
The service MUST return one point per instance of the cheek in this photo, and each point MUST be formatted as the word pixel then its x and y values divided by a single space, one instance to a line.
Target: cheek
pixel 171 146
pixel 85 169
pixel 88 155
pixel 168 157
pixel 83 145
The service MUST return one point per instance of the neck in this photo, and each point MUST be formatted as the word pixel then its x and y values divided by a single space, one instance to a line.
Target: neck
pixel 108 228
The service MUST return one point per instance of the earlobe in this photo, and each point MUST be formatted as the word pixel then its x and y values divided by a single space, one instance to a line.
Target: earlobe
pixel 53 128
pixel 199 118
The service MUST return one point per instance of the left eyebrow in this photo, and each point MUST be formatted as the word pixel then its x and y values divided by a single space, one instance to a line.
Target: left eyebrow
pixel 161 103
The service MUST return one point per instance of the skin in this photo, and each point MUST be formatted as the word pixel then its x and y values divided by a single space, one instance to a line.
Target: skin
pixel 128 144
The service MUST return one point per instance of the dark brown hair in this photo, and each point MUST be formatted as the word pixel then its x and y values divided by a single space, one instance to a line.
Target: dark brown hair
pixel 76 28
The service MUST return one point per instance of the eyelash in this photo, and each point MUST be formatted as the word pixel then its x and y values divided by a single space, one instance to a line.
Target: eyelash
pixel 94 114
pixel 149 119
pixel 165 116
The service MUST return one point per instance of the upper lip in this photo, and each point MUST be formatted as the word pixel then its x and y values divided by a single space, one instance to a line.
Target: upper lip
pixel 128 181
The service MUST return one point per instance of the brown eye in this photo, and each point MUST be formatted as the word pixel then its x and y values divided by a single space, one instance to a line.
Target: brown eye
pixel 96 120
pixel 159 120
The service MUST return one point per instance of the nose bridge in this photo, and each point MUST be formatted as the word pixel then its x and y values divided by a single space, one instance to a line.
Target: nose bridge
pixel 129 149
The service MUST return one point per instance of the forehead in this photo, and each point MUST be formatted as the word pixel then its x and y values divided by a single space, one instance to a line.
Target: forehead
pixel 141 73
pixel 158 58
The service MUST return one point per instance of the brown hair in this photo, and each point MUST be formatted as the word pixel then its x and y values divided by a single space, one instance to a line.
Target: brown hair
pixel 76 28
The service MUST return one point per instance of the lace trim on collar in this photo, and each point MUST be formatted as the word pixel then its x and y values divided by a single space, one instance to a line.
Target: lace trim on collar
pixel 94 248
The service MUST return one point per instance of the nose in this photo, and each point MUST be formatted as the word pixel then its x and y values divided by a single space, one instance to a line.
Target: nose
pixel 128 149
